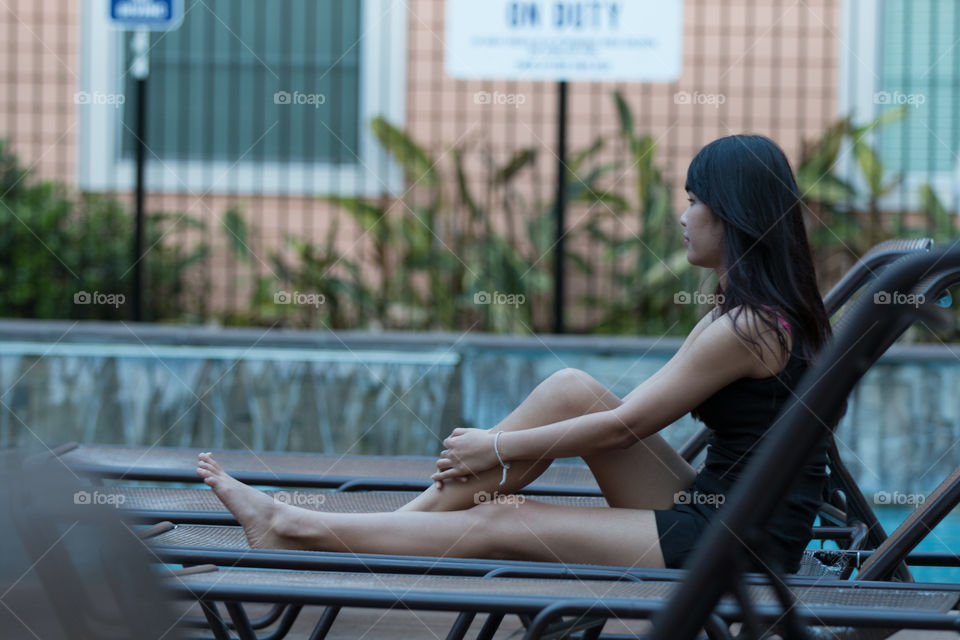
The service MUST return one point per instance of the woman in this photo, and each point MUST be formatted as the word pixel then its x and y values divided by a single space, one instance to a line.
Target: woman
pixel 734 371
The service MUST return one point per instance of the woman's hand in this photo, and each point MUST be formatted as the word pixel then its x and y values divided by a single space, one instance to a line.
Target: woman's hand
pixel 467 453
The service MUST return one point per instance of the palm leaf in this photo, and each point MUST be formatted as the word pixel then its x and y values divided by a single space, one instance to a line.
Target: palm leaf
pixel 462 187
pixel 418 166
pixel 237 233
pixel 624 115
pixel 870 165
pixel 519 160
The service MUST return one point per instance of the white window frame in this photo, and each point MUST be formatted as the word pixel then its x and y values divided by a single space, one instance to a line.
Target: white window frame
pixel 101 168
pixel 859 53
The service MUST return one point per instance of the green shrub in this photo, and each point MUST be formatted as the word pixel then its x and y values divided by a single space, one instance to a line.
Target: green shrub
pixel 55 245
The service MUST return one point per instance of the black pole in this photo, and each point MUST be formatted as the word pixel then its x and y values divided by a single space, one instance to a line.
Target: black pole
pixel 561 206
pixel 141 146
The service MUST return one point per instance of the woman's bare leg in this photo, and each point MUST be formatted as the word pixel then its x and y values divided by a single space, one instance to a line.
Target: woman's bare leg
pixel 563 395
pixel 522 529
pixel 646 475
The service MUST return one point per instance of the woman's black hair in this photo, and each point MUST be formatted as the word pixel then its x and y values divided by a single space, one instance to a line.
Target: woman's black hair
pixel 747 182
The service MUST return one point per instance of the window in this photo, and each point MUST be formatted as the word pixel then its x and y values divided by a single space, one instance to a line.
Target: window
pixel 266 96
pixel 899 53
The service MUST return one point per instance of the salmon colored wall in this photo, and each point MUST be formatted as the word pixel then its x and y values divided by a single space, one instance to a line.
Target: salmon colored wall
pixel 775 62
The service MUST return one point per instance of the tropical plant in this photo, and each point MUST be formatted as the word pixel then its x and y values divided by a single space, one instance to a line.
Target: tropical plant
pixel 657 271
pixel 306 285
pixel 439 253
pixel 440 256
pixel 176 284
pixel 55 244
pixel 846 219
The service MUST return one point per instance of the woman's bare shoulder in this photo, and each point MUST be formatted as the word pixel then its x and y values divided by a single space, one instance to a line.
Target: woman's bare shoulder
pixel 698 329
pixel 764 341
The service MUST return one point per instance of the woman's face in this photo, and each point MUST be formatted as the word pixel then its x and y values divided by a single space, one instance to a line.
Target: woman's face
pixel 702 234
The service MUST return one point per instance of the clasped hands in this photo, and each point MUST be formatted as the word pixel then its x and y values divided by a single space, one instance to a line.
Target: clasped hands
pixel 467 453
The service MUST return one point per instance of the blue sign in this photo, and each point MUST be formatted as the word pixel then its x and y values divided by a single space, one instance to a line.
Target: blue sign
pixel 156 15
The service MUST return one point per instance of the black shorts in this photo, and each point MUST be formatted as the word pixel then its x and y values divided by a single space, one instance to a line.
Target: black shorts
pixel 681 527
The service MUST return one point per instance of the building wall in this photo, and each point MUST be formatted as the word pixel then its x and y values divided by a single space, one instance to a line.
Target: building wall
pixel 773 63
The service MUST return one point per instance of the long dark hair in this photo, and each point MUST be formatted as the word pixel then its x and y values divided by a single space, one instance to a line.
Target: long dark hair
pixel 747 182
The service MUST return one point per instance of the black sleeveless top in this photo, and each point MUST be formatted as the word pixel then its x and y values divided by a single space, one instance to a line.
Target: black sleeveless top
pixel 740 415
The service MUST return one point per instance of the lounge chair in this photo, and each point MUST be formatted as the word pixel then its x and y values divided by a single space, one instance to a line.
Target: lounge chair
pixel 186 545
pixel 100 585
pixel 590 602
pixel 538 592
pixel 226 546
pixel 842 491
pixel 328 471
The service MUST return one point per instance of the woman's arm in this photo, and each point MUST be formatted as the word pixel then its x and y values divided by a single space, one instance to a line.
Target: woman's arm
pixel 706 363
pixel 713 360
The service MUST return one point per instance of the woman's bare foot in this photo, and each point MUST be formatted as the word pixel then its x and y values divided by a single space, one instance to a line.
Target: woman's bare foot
pixel 266 522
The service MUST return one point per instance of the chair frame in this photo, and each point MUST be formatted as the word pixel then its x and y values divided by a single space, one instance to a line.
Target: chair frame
pixel 715 565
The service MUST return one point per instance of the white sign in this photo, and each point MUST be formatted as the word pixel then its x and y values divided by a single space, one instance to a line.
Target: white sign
pixel 154 15
pixel 564 40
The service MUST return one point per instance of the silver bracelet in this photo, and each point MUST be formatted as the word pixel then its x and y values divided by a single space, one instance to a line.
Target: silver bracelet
pixel 496 450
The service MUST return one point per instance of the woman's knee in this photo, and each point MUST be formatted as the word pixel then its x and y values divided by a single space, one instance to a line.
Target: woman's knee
pixel 492 527
pixel 581 393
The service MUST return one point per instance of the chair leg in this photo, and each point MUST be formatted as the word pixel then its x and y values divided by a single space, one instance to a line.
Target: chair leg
pixel 268 618
pixel 240 621
pixel 462 624
pixel 490 626
pixel 559 628
pixel 217 625
pixel 593 632
pixel 286 622
pixel 325 623
pixel 716 628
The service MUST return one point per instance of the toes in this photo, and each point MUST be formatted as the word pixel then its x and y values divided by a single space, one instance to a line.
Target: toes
pixel 208 468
